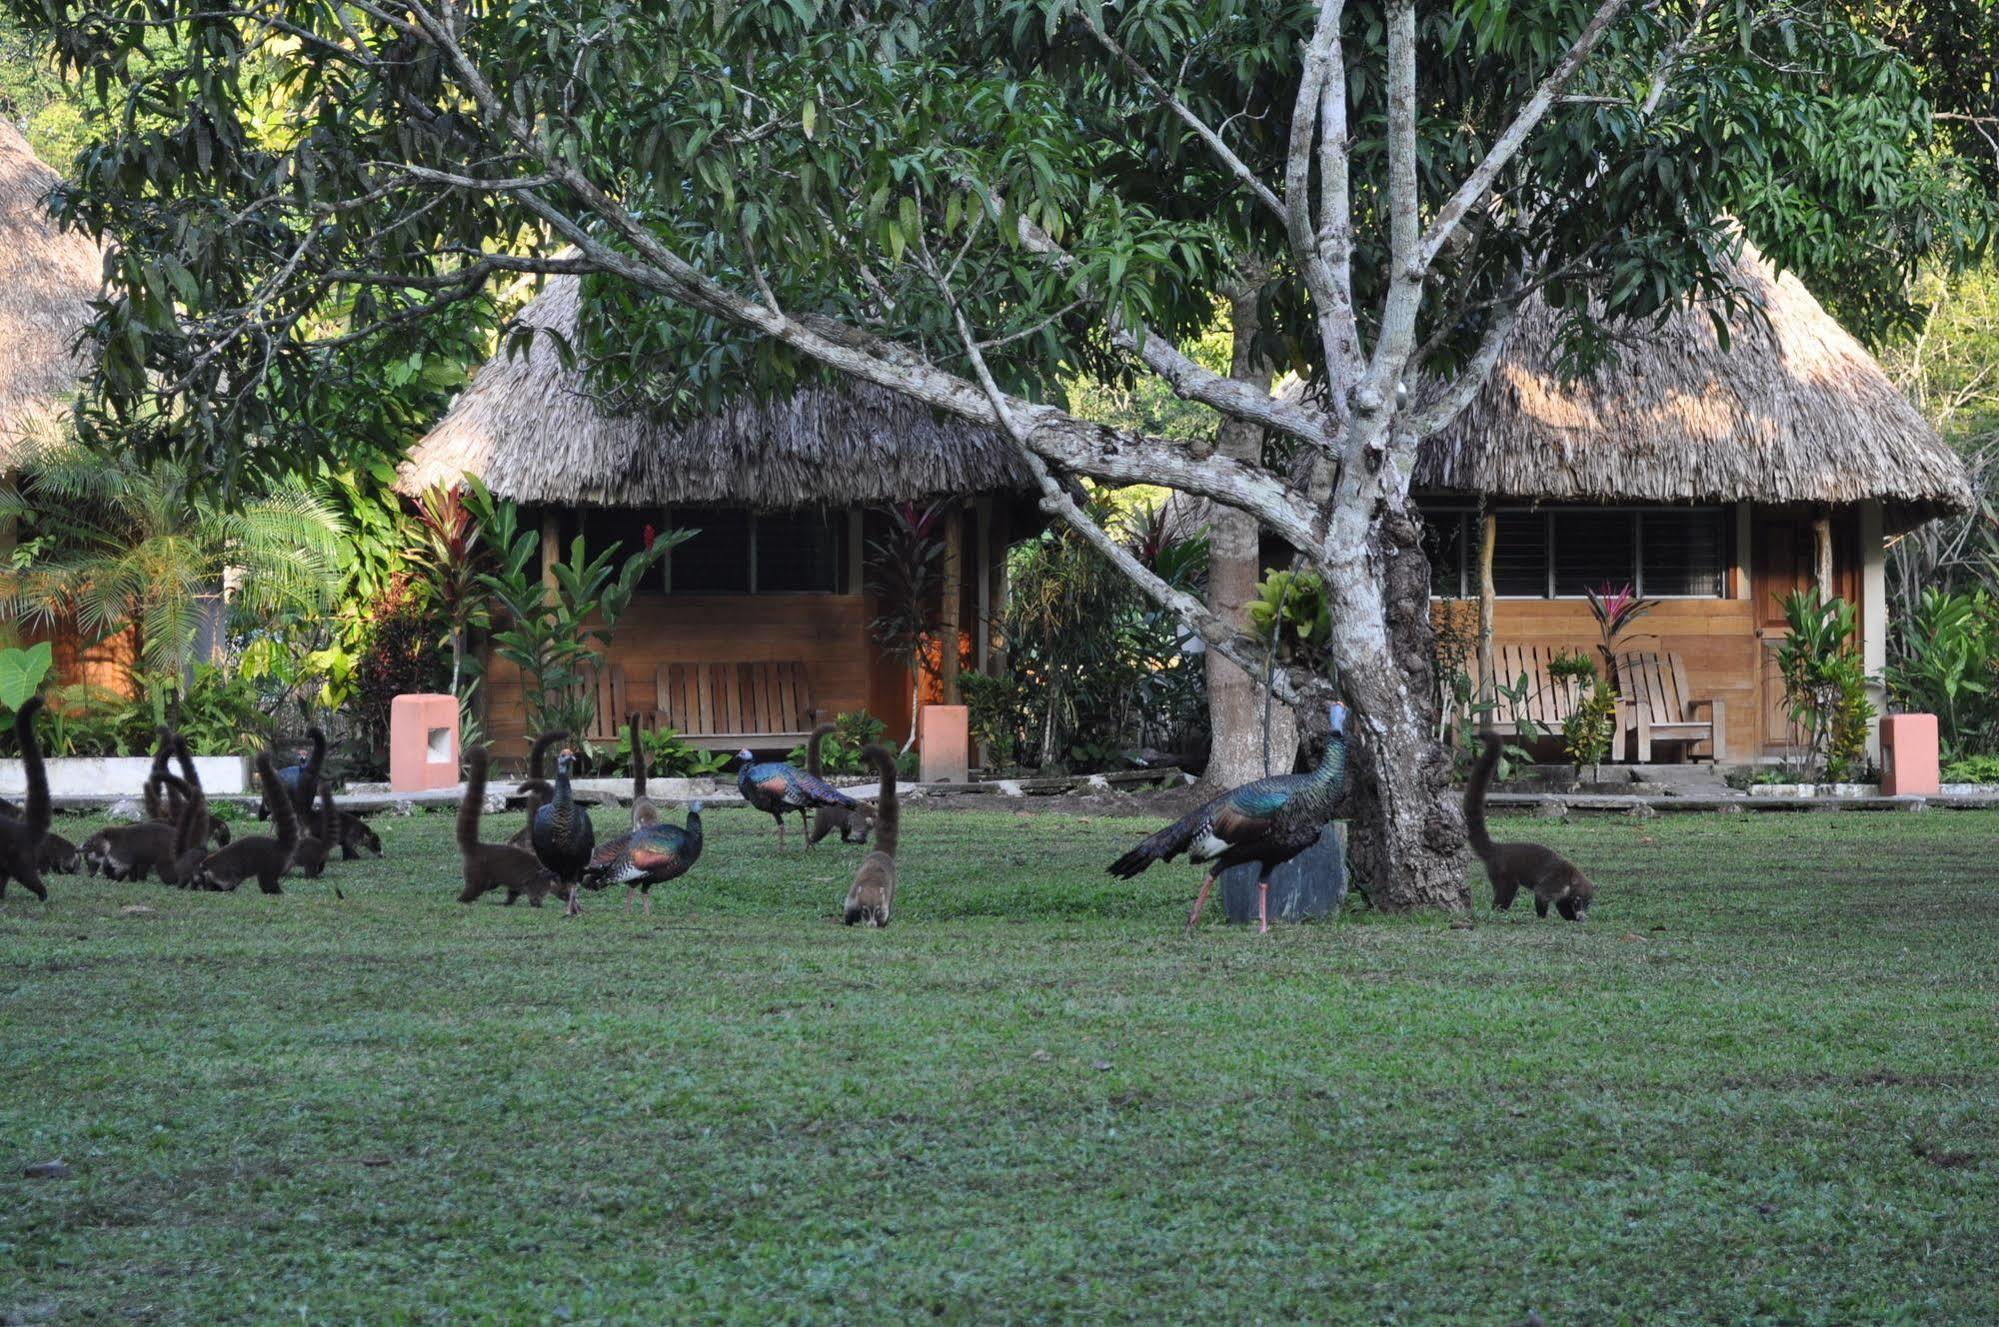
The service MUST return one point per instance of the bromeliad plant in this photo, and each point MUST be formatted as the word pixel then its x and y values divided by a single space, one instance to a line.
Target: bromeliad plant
pixel 554 633
pixel 1615 610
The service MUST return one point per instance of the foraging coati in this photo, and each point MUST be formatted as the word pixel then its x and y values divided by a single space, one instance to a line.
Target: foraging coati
pixel 853 822
pixel 260 856
pixel 315 840
pixel 1553 878
pixel 489 866
pixel 872 894
pixel 190 827
pixel 539 790
pixel 129 852
pixel 21 836
pixel 56 855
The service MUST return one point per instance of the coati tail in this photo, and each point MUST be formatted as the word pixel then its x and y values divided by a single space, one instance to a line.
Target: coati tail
pixel 474 800
pixel 889 821
pixel 1481 778
pixel 36 812
pixel 819 734
pixel 282 809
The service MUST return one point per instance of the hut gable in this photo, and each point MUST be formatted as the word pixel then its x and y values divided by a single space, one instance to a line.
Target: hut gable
pixel 530 429
pixel 1792 410
pixel 48 276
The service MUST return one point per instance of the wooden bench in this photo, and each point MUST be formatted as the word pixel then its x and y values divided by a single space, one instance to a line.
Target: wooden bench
pixel 723 706
pixel 1657 706
pixel 1550 700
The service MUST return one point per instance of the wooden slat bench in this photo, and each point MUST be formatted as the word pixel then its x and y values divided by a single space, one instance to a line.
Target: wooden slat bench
pixel 1659 707
pixel 1550 700
pixel 723 706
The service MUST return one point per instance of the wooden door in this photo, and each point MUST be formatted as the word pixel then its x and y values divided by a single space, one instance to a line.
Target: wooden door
pixel 1784 558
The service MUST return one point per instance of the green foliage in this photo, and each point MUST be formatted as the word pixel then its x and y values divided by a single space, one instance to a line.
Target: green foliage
pixel 1615 609
pixel 1096 666
pixel 905 571
pixel 119 542
pixel 447 559
pixel 1825 683
pixel 1972 769
pixel 996 714
pixel 1290 610
pixel 840 750
pixel 398 656
pixel 1949 667
pixel 555 633
pixel 667 755
pixel 1591 726
pixel 21 673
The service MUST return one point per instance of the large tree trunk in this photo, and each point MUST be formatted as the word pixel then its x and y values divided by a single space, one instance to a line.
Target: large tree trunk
pixel 1235 699
pixel 1406 833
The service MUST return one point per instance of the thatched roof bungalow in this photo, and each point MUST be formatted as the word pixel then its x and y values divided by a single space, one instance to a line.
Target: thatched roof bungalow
pixel 1715 478
pixel 786 493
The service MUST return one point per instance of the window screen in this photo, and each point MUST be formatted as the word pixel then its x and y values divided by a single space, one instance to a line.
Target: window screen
pixel 1594 549
pixel 1520 555
pixel 1685 553
pixel 799 552
pixel 626 528
pixel 717 559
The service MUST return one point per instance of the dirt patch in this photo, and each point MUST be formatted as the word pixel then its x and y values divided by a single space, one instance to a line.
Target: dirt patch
pixel 1165 804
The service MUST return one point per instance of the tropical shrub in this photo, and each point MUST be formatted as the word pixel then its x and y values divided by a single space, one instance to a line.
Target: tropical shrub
pixel 555 633
pixel 840 750
pixel 1972 769
pixel 905 573
pixel 398 656
pixel 1949 667
pixel 1588 730
pixel 1825 683
pixel 21 674
pixel 1289 612
pixel 996 715
pixel 668 756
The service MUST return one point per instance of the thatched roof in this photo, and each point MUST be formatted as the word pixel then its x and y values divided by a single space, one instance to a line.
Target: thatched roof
pixel 47 278
pixel 528 427
pixel 1794 410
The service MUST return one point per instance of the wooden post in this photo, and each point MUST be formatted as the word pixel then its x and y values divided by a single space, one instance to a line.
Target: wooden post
pixel 1488 536
pixel 1822 555
pixel 996 658
pixel 947 624
pixel 551 547
pixel 982 566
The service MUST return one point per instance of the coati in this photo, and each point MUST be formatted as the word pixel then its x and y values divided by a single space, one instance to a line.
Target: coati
pixel 185 849
pixel 21 836
pixel 1553 878
pixel 258 856
pixel 315 840
pixel 357 837
pixel 56 855
pixel 643 811
pixel 872 894
pixel 853 822
pixel 213 832
pixel 490 866
pixel 152 796
pixel 129 852
pixel 539 790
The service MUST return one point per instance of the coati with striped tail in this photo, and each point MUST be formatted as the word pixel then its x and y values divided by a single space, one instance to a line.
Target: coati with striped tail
pixel 212 832
pixel 643 811
pixel 21 836
pixel 489 866
pixel 261 857
pixel 854 822
pixel 540 792
pixel 315 840
pixel 1512 867
pixel 872 894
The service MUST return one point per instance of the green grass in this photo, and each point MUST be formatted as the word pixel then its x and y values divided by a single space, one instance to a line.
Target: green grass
pixel 1760 1085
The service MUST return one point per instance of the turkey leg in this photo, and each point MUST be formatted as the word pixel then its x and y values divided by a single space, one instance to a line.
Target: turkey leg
pixel 1263 907
pixel 1194 917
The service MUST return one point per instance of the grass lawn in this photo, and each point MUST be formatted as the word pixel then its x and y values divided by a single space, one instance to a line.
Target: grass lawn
pixel 1760 1085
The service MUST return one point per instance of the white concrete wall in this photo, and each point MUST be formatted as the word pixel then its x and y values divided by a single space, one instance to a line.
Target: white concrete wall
pixel 121 776
pixel 1874 614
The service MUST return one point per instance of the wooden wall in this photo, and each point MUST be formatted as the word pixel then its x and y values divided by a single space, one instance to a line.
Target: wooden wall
pixel 1715 638
pixel 827 632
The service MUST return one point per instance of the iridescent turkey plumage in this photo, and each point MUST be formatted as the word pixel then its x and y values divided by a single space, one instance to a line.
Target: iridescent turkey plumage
pixel 778 788
pixel 563 839
pixel 1268 821
pixel 649 855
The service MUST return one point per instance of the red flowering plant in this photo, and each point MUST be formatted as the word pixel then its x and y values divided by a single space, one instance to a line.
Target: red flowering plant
pixel 1615 610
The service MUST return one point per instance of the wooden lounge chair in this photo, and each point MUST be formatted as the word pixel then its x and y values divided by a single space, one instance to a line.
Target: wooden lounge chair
pixel 1658 707
pixel 1550 700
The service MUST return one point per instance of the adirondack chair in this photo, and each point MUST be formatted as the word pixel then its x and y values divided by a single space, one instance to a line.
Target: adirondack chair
pixel 1657 706
pixel 723 706
pixel 1550 700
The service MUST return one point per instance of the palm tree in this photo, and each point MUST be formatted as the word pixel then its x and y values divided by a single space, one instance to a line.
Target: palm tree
pixel 119 542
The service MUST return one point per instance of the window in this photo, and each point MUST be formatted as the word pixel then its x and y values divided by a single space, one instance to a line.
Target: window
pixel 736 551
pixel 799 552
pixel 624 527
pixel 1562 552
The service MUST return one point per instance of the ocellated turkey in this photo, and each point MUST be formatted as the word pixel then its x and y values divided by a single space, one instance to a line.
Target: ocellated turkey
pixel 779 788
pixel 649 855
pixel 1268 821
pixel 563 839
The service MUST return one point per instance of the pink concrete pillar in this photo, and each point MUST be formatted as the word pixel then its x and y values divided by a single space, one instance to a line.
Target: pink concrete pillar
pixel 1909 764
pixel 423 743
pixel 943 736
